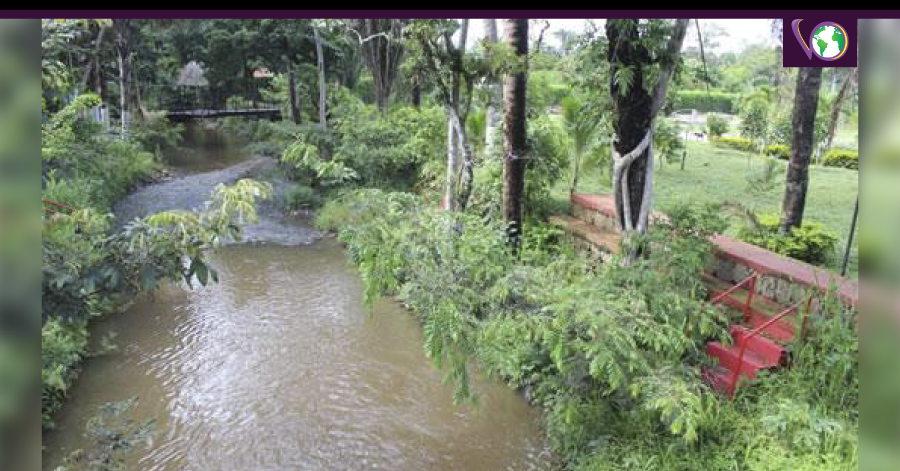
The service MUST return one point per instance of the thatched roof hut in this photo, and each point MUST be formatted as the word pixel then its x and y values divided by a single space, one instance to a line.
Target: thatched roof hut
pixel 192 76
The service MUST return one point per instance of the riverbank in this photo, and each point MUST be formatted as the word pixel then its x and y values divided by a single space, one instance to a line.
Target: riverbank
pixel 238 364
pixel 611 353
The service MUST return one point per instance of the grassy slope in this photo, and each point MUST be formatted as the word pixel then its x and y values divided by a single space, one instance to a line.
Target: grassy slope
pixel 712 174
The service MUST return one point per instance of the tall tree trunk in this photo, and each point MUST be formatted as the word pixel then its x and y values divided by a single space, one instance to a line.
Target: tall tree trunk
pixel 292 94
pixel 514 89
pixel 492 115
pixel 452 164
pixel 635 109
pixel 416 91
pixel 137 104
pixel 632 113
pixel 803 121
pixel 123 91
pixel 125 46
pixel 454 143
pixel 836 108
pixel 320 63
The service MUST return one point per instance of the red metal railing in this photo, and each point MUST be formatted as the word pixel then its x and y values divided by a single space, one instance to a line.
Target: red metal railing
pixel 751 281
pixel 64 208
pixel 735 377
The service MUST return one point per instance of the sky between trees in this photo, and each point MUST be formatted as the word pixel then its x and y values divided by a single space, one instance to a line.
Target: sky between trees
pixel 738 33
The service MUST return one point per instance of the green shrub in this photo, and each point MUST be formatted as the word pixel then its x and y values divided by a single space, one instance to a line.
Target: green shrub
pixel 301 196
pixel 846 158
pixel 755 120
pixel 779 151
pixel 811 242
pixel 739 143
pixel 548 149
pixel 781 129
pixel 74 148
pixel 546 88
pixel 63 346
pixel 717 125
pixel 706 102
pixel 668 143
pixel 157 134
pixel 239 128
pixel 386 150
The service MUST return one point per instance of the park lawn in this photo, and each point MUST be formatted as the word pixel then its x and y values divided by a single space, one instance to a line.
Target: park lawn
pixel 713 174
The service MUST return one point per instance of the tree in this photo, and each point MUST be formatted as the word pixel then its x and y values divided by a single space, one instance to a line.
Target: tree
pixel 755 121
pixel 636 102
pixel 514 93
pixel 803 121
pixel 93 71
pixel 432 51
pixel 836 108
pixel 126 37
pixel 320 65
pixel 492 121
pixel 380 41
pixel 581 125
pixel 293 102
pixel 454 144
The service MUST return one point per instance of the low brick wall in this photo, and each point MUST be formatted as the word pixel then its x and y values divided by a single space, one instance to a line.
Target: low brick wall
pixel 783 279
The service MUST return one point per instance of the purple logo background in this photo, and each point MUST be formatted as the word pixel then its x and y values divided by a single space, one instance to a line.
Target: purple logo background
pixel 797 55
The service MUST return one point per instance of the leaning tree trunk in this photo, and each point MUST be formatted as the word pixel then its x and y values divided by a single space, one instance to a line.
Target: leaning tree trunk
pixel 806 101
pixel 836 108
pixel 93 67
pixel 492 115
pixel 514 88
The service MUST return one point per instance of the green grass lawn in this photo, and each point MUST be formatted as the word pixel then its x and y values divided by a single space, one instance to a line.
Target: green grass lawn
pixel 712 174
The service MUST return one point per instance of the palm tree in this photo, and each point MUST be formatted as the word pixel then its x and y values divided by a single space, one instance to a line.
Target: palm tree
pixel 582 128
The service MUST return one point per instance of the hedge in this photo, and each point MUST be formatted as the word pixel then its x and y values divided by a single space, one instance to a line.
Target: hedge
pixel 846 158
pixel 706 102
pixel 779 151
pixel 738 143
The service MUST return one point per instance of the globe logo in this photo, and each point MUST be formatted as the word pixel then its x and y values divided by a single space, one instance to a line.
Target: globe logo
pixel 828 40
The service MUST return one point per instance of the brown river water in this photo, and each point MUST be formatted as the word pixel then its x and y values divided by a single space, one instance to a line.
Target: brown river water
pixel 280 366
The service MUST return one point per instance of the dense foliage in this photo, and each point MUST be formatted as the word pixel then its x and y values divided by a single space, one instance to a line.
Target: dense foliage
pixel 811 242
pixel 83 166
pixel 368 147
pixel 717 125
pixel 611 352
pixel 89 270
